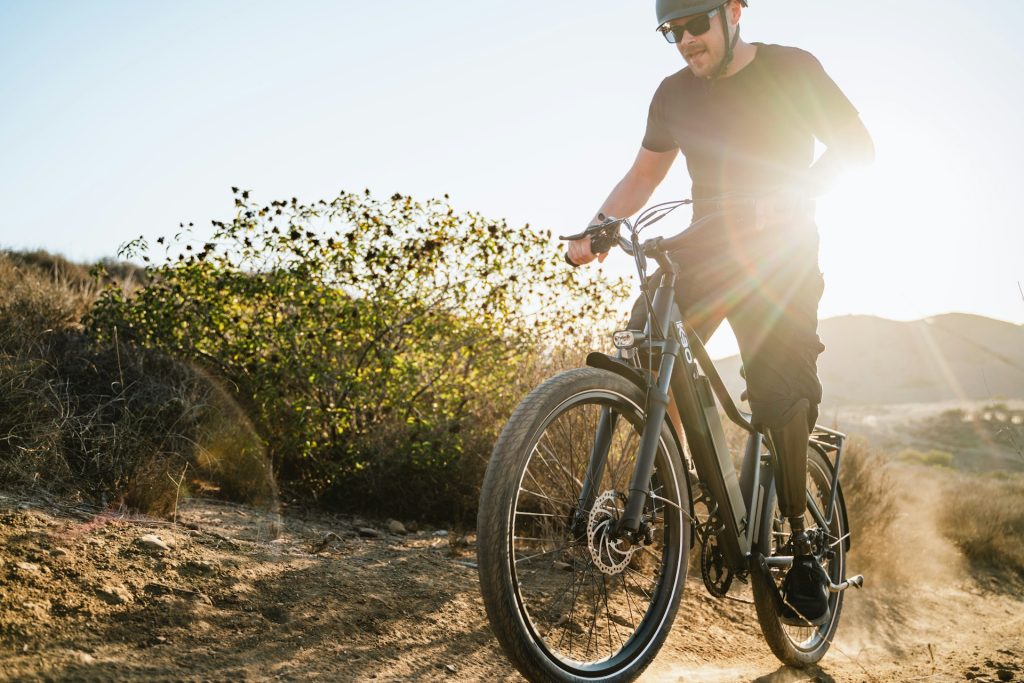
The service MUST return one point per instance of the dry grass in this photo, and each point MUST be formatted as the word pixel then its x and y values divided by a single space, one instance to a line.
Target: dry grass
pixel 984 517
pixel 112 425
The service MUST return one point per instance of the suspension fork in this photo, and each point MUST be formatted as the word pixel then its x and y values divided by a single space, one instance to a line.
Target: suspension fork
pixel 656 410
pixel 595 468
pixel 656 407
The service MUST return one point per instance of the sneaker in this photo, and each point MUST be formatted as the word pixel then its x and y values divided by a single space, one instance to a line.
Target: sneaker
pixel 805 593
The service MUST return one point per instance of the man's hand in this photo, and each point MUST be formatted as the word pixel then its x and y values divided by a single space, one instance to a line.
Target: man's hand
pixel 580 254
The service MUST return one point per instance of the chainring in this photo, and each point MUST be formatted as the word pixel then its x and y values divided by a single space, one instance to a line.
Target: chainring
pixel 713 568
pixel 607 552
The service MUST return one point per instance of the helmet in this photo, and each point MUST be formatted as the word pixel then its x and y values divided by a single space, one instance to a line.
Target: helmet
pixel 676 9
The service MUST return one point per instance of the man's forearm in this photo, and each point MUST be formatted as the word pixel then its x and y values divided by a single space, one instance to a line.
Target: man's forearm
pixel 628 197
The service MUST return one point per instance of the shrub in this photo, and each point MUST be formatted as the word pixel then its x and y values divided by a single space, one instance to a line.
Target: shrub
pixel 377 344
pixel 111 424
pixel 932 457
pixel 984 517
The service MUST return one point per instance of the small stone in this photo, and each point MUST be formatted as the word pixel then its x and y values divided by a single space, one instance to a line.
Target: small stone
pixel 449 669
pixel 156 589
pixel 152 542
pixel 29 567
pixel 114 594
pixel 396 527
pixel 84 657
pixel 59 552
pixel 1004 674
pixel 441 533
pixel 200 567
pixel 368 532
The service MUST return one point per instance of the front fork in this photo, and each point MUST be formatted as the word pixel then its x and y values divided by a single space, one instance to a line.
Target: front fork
pixel 595 469
pixel 655 409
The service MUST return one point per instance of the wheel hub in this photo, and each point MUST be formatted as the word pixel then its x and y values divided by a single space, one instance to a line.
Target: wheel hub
pixel 610 555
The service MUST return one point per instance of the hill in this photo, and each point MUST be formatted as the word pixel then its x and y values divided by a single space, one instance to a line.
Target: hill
pixel 873 361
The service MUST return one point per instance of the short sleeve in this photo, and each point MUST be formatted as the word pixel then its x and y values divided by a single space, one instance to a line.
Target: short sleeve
pixel 658 137
pixel 823 106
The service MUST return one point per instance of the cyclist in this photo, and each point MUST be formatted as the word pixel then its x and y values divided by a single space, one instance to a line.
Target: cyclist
pixel 746 116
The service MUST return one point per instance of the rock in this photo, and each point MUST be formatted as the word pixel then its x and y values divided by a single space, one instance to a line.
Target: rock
pixel 449 669
pixel 1004 674
pixel 114 594
pixel 29 567
pixel 156 589
pixel 199 567
pixel 59 552
pixel 396 527
pixel 152 542
pixel 83 657
pixel 441 533
pixel 368 532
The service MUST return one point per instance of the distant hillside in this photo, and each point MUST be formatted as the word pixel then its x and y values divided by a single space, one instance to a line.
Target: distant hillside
pixel 956 356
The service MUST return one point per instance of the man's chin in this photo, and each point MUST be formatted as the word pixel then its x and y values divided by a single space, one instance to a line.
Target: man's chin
pixel 700 64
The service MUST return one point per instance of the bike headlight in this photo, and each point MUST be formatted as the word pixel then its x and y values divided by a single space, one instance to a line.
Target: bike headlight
pixel 627 339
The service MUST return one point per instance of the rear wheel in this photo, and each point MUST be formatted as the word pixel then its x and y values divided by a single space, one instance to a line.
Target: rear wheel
pixel 801 645
pixel 567 601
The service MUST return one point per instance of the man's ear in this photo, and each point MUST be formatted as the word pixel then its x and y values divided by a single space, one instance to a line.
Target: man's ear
pixel 735 10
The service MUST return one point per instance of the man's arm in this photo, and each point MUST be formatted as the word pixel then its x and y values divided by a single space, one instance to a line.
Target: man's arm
pixel 628 196
pixel 849 145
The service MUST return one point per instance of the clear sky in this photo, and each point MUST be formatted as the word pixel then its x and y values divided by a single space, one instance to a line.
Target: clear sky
pixel 126 118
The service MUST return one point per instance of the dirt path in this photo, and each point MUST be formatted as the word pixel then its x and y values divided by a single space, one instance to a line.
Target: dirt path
pixel 92 598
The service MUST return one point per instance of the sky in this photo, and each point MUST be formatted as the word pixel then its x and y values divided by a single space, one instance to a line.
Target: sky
pixel 120 119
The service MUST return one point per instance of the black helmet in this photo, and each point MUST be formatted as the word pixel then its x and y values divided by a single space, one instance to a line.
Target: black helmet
pixel 676 9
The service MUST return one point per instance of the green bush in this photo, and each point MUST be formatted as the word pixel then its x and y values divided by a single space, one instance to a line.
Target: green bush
pixel 932 457
pixel 377 344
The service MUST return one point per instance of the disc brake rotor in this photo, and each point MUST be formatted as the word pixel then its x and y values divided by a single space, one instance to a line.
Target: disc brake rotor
pixel 606 551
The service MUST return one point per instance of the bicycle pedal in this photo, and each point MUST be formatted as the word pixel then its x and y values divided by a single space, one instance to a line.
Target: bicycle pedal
pixel 852 582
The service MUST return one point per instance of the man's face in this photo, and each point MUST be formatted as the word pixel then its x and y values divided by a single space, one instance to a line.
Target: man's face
pixel 703 53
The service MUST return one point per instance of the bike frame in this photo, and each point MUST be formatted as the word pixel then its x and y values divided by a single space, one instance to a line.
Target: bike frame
pixel 687 376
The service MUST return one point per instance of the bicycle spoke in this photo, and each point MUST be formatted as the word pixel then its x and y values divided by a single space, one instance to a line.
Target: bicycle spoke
pixel 582 612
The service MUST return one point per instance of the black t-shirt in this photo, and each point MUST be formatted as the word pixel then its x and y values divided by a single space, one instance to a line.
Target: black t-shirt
pixel 753 131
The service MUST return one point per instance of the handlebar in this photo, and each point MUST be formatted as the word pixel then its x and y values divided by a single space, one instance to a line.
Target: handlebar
pixel 605 235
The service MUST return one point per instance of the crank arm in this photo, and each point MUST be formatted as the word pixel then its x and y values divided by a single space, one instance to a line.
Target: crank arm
pixel 853 581
pixel 786 561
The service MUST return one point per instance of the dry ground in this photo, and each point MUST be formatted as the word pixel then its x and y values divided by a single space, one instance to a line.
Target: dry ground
pixel 241 594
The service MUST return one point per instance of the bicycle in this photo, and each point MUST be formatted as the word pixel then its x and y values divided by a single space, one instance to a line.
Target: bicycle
pixel 590 503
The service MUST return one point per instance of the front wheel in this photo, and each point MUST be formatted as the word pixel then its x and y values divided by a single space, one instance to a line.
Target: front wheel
pixel 566 600
pixel 801 645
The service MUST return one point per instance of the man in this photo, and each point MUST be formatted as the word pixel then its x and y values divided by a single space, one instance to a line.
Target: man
pixel 746 116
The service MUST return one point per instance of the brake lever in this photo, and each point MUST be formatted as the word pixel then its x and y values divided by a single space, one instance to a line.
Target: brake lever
pixel 603 236
pixel 605 225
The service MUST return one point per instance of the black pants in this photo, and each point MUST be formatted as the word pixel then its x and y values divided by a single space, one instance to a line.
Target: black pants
pixel 767 284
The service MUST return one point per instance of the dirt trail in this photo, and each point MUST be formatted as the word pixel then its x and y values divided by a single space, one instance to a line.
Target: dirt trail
pixel 90 597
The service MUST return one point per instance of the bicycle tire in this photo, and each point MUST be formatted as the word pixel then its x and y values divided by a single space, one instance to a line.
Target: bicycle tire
pixel 528 618
pixel 792 645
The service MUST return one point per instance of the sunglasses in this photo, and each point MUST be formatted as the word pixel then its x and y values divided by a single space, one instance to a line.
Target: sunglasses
pixel 697 26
